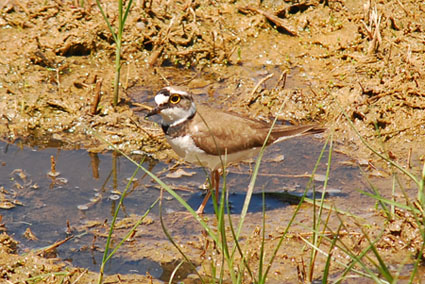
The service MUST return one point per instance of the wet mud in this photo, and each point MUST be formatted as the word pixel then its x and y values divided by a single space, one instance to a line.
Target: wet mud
pixel 358 61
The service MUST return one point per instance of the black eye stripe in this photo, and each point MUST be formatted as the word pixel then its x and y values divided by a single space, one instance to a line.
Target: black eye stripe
pixel 164 92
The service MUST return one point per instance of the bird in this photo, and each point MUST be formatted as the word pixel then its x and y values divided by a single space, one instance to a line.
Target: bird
pixel 214 138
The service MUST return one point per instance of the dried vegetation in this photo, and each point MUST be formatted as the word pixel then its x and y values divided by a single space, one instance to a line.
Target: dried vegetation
pixel 363 57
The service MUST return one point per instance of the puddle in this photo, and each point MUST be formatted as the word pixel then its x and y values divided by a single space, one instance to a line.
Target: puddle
pixel 46 88
pixel 91 182
pixel 86 181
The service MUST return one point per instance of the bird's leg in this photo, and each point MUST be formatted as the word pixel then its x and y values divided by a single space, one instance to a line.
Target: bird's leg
pixel 215 181
pixel 204 202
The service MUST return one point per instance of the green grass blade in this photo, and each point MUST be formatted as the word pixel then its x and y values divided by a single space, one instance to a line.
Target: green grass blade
pixel 130 232
pixel 376 192
pixel 418 261
pixel 396 165
pixel 114 35
pixel 111 229
pixel 244 262
pixel 330 207
pixel 264 276
pixel 127 10
pixel 378 197
pixel 329 258
pixel 421 193
pixel 369 273
pixel 168 189
pixel 263 237
pixel 171 280
pixel 357 259
pixel 114 218
pixel 382 267
pixel 170 238
pixel 255 174
pixel 317 220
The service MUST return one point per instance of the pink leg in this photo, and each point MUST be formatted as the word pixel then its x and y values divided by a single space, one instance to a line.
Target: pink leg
pixel 215 182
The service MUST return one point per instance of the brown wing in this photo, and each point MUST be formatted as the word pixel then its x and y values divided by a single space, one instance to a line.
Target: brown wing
pixel 229 133
pixel 225 132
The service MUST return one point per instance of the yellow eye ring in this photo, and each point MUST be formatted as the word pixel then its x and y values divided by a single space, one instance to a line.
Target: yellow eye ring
pixel 175 99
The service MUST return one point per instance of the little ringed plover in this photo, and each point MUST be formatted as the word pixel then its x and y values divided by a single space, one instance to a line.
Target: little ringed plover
pixel 214 138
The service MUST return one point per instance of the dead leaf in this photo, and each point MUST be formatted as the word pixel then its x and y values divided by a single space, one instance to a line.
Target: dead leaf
pixel 30 235
pixel 277 159
pixel 179 173
pixel 319 177
pixel 21 174
pixel 6 204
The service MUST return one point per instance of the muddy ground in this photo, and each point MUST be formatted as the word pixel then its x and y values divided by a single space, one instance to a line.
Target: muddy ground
pixel 356 60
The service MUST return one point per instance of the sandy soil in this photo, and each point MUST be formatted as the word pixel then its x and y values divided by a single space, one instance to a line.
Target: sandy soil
pixel 350 59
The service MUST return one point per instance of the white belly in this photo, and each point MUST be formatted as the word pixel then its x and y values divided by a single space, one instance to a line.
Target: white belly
pixel 186 148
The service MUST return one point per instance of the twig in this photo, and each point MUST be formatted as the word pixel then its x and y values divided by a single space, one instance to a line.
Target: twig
pixel 326 233
pixel 141 106
pixel 409 158
pixel 97 96
pixel 53 246
pixel 402 7
pixel 159 45
pixel 22 7
pixel 162 76
pixel 256 87
pixel 280 24
pixel 53 173
pixel 278 175
pixel 409 55
pixel 282 78
pixel 151 136
pixel 79 276
pixel 155 55
pixel 375 21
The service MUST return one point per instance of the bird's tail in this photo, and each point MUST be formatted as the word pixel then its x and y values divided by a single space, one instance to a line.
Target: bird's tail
pixel 281 133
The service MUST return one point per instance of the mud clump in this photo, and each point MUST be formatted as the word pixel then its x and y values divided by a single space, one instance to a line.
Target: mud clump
pixel 343 60
pixel 363 59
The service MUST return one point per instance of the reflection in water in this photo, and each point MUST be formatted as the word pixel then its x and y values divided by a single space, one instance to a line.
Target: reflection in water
pixel 86 191
pixel 94 161
pixel 79 192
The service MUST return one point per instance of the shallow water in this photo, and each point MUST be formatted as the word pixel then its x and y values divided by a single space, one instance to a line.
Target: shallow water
pixel 88 185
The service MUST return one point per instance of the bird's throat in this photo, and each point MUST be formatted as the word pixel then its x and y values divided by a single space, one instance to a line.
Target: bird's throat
pixel 176 117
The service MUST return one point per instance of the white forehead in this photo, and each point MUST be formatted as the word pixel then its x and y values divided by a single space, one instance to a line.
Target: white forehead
pixel 175 90
pixel 161 99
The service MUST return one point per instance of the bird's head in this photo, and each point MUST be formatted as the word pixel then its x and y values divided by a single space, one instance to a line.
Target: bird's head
pixel 174 104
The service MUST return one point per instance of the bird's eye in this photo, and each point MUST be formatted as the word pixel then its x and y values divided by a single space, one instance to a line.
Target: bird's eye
pixel 175 99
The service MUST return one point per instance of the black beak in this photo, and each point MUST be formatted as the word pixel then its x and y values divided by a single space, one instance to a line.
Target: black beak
pixel 154 111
